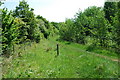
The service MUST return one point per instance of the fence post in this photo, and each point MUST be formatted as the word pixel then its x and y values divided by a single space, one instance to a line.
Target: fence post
pixel 57 49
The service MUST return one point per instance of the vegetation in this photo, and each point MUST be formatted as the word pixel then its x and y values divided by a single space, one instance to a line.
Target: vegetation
pixel 89 42
pixel 96 24
pixel 40 61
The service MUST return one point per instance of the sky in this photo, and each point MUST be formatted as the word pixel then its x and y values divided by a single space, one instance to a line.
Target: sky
pixel 56 10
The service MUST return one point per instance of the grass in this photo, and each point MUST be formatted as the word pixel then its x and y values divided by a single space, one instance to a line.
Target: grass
pixel 40 61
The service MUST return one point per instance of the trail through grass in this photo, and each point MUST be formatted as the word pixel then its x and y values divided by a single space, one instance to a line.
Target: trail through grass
pixel 40 61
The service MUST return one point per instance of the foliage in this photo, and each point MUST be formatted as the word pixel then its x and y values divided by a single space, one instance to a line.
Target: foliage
pixel 46 27
pixel 9 31
pixel 27 16
pixel 117 28
pixel 55 24
pixel 95 22
pixel 66 31
pixel 97 30
pixel 42 26
pixel 110 9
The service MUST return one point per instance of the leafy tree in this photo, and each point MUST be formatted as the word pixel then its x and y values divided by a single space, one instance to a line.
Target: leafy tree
pixel 53 30
pixel 110 9
pixel 98 26
pixel 1 28
pixel 80 25
pixel 43 25
pixel 115 22
pixel 26 14
pixel 66 30
pixel 91 23
pixel 55 24
pixel 117 28
pixel 46 23
pixel 9 31
pixel 22 31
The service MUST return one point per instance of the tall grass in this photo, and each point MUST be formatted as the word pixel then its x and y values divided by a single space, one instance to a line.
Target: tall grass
pixel 40 61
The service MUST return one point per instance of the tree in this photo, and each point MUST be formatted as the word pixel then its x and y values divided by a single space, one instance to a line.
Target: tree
pixel 1 28
pixel 91 23
pixel 22 31
pixel 117 28
pixel 110 9
pixel 27 16
pixel 79 28
pixel 55 24
pixel 9 31
pixel 44 26
pixel 98 26
pixel 46 23
pixel 115 22
pixel 66 30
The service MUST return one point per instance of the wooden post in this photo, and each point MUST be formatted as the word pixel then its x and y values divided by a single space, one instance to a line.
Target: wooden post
pixel 57 49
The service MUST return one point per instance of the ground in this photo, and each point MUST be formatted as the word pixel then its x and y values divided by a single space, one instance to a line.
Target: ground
pixel 40 61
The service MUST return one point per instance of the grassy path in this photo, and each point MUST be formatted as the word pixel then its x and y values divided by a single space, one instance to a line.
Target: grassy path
pixel 99 55
pixel 79 49
pixel 106 57
pixel 74 61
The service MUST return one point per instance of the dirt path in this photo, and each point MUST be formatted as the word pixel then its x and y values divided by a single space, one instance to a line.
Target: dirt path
pixel 106 57
pixel 95 54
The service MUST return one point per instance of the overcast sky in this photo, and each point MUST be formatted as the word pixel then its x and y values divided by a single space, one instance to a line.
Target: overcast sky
pixel 56 10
